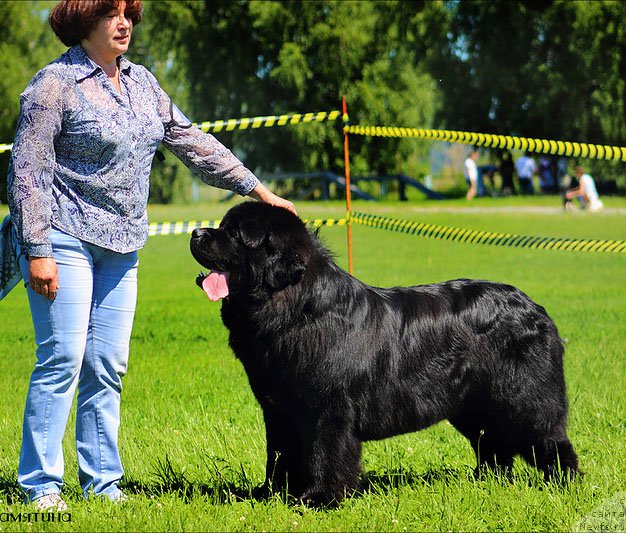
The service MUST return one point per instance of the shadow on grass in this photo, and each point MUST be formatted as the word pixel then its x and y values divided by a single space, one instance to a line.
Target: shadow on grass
pixel 523 475
pixel 10 489
pixel 398 477
pixel 227 484
pixel 187 490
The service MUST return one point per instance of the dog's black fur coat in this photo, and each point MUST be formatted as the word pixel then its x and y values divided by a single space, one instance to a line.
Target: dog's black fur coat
pixel 334 362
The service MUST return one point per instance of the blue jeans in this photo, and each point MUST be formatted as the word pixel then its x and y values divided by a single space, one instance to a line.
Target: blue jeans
pixel 82 340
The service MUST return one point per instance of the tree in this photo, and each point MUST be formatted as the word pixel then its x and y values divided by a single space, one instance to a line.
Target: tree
pixel 548 69
pixel 26 44
pixel 248 58
pixel 541 68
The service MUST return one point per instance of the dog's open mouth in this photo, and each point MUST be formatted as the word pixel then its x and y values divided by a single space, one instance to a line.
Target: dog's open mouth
pixel 214 284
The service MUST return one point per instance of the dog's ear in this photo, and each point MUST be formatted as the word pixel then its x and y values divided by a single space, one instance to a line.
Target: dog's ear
pixel 254 233
pixel 284 271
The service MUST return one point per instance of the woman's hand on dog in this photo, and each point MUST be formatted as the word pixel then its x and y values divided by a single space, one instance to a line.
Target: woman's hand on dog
pixel 263 194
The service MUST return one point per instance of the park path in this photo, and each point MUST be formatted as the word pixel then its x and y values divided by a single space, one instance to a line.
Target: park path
pixel 548 210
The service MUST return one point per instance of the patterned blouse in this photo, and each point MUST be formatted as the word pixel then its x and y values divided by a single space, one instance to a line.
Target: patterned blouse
pixel 82 154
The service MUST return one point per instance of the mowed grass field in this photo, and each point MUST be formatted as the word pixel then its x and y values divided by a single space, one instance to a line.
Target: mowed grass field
pixel 192 436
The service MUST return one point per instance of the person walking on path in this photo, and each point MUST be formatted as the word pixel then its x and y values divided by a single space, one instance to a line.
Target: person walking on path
pixel 526 169
pixel 471 174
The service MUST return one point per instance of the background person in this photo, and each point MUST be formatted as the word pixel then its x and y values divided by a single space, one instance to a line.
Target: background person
pixel 561 172
pixel 586 192
pixel 506 168
pixel 526 168
pixel 89 126
pixel 471 174
pixel 547 177
pixel 486 175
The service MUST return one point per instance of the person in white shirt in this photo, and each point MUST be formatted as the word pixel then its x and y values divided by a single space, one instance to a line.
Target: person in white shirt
pixel 471 174
pixel 586 192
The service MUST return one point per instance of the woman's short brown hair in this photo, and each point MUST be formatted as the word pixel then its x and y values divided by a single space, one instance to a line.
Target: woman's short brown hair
pixel 73 20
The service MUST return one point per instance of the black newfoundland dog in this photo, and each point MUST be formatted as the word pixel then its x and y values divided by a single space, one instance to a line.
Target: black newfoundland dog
pixel 334 362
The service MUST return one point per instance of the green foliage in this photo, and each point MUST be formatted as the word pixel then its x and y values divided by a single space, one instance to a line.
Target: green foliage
pixel 170 181
pixel 26 45
pixel 283 57
pixel 552 69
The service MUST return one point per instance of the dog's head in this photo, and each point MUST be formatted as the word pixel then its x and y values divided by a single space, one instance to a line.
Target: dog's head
pixel 258 249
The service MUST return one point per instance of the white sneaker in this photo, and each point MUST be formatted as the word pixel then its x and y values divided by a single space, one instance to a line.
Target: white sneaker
pixel 50 502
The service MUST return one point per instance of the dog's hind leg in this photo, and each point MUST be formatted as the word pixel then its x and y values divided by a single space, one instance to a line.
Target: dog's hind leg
pixel 493 452
pixel 491 445
pixel 554 455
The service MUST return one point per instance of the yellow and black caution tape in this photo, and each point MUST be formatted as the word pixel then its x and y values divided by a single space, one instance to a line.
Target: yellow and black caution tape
pixel 268 121
pixel 435 231
pixel 179 228
pixel 182 227
pixel 253 123
pixel 423 229
pixel 318 222
pixel 565 148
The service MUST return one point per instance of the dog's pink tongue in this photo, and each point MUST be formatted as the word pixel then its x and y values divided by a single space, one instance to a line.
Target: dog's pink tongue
pixel 216 285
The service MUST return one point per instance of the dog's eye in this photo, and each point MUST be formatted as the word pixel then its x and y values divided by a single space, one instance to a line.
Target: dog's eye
pixel 232 231
pixel 231 228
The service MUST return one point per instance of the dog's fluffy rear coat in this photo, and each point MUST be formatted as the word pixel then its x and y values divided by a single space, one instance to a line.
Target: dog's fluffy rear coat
pixel 334 362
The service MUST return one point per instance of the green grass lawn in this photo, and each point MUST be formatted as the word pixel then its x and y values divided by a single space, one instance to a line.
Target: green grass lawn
pixel 192 437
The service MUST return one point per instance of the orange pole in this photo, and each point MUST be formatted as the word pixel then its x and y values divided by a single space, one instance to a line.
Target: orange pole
pixel 346 157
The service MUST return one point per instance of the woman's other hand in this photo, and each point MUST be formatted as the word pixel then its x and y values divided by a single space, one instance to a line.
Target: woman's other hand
pixel 44 276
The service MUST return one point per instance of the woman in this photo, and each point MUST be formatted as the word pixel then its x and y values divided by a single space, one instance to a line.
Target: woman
pixel 90 123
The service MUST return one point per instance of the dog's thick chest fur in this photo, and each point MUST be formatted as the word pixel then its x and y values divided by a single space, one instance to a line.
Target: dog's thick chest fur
pixel 334 362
